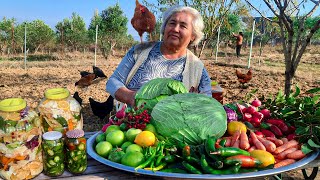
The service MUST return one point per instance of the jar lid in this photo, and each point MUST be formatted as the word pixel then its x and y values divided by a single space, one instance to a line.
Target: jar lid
pixel 76 133
pixel 214 83
pixel 12 104
pixel 52 135
pixel 56 93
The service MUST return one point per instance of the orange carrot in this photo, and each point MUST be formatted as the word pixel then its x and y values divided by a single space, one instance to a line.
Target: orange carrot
pixel 286 146
pixel 251 148
pixel 277 160
pixel 228 142
pixel 50 128
pixel 277 142
pixel 284 154
pixel 70 125
pixel 236 144
pixel 298 154
pixel 270 146
pixel 256 141
pixel 235 137
pixel 244 141
pixel 284 163
pixel 284 140
pixel 19 157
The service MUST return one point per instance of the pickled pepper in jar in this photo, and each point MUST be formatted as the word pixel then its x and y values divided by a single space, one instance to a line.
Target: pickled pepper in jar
pixel 53 153
pixel 76 160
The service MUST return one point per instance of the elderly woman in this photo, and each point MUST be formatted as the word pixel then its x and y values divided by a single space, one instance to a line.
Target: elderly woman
pixel 167 59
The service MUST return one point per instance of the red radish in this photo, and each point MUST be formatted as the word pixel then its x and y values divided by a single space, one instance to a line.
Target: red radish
pixel 266 113
pixel 256 103
pixel 250 110
pixel 122 112
pixel 241 108
pixel 291 129
pixel 268 133
pixel 275 129
pixel 255 121
pixel 258 115
pixel 259 133
pixel 247 117
pixel 291 136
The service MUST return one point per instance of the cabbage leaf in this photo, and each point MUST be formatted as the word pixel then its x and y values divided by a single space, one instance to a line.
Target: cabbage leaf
pixel 190 118
pixel 157 89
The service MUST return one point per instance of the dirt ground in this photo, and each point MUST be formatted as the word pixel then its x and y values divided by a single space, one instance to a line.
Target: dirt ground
pixel 268 78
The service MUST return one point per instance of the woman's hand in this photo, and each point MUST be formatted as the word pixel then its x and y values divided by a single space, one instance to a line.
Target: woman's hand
pixel 126 95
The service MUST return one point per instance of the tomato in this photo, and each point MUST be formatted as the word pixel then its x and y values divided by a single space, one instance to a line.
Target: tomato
pixel 132 158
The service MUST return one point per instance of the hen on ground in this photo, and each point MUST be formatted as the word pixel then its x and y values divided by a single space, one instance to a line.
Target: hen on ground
pixel 143 20
pixel 101 109
pixel 244 78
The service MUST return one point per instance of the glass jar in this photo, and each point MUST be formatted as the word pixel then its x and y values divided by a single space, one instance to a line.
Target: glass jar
pixel 20 140
pixel 53 153
pixel 76 160
pixel 217 91
pixel 59 111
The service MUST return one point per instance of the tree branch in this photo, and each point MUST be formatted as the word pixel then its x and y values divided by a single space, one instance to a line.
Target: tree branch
pixel 313 9
pixel 260 12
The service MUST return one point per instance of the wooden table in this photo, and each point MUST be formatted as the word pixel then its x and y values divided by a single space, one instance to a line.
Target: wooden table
pixel 97 170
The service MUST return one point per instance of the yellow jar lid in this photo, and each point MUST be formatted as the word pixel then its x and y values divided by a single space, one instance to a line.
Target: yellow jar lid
pixel 56 93
pixel 214 83
pixel 12 104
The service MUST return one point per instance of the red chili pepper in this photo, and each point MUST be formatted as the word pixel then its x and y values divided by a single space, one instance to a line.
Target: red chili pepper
pixel 267 133
pixel 276 130
pixel 246 161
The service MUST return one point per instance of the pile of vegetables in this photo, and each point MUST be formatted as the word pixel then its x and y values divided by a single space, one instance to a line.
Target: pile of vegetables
pixel 194 133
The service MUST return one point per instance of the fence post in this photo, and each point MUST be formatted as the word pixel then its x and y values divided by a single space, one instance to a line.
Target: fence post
pixel 254 22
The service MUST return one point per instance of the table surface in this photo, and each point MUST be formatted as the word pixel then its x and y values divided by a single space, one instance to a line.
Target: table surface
pixel 97 170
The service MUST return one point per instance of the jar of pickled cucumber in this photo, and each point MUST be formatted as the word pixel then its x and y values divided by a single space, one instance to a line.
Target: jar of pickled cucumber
pixel 76 160
pixel 20 140
pixel 59 111
pixel 53 153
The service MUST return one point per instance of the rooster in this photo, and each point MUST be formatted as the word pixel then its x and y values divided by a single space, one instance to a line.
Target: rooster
pixel 244 78
pixel 143 20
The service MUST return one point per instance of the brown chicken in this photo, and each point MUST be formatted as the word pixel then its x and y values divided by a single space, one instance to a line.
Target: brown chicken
pixel 244 78
pixel 143 20
pixel 85 80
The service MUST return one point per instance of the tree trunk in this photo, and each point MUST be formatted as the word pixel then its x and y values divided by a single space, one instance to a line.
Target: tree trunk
pixel 288 81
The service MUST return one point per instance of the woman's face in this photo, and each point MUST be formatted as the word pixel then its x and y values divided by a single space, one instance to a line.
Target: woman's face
pixel 178 31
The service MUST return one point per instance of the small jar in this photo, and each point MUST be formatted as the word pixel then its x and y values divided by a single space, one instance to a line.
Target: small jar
pixel 20 140
pixel 53 153
pixel 59 111
pixel 76 160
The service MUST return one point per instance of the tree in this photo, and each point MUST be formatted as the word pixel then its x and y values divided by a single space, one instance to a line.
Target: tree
pixel 7 27
pixel 112 27
pixel 296 36
pixel 74 32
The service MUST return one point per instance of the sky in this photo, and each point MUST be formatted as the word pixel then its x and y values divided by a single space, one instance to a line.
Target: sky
pixel 54 11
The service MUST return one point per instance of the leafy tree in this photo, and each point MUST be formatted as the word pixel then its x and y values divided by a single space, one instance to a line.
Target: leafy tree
pixel 39 35
pixel 72 32
pixel 112 28
pixel 7 27
pixel 296 36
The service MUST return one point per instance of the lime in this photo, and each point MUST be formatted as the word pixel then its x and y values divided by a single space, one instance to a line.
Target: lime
pixel 125 145
pixel 100 137
pixel 116 138
pixel 103 148
pixel 112 128
pixel 132 158
pixel 134 147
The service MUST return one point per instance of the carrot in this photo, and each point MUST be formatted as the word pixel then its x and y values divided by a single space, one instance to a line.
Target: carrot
pixel 235 137
pixel 236 144
pixel 284 154
pixel 284 163
pixel 285 146
pixel 284 140
pixel 19 157
pixel 50 128
pixel 277 142
pixel 277 160
pixel 270 146
pixel 244 141
pixel 70 125
pixel 256 141
pixel 228 143
pixel 5 162
pixel 298 154
pixel 251 148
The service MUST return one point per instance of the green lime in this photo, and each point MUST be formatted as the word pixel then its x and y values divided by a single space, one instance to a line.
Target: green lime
pixel 132 158
pixel 116 155
pixel 103 148
pixel 134 147
pixel 100 137
pixel 125 145
pixel 112 128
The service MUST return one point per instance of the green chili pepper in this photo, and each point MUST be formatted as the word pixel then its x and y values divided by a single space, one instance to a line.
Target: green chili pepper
pixel 169 158
pixel 159 159
pixel 230 151
pixel 205 166
pixel 161 166
pixel 192 160
pixel 210 144
pixel 147 162
pixel 191 168
pixel 223 142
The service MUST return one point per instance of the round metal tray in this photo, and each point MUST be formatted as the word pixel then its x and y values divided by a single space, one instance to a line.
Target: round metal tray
pixel 94 155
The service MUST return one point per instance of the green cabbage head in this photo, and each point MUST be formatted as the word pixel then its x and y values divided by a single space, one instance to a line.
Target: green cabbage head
pixel 190 118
